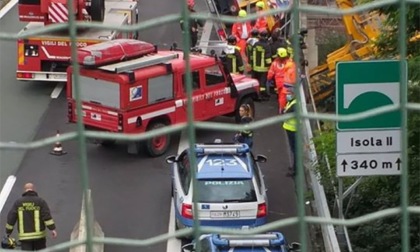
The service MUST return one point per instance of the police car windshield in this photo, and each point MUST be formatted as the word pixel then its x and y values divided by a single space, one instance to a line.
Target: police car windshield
pixel 219 191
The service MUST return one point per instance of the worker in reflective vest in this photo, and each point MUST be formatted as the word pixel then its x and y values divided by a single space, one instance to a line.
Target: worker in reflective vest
pixel 234 60
pixel 261 22
pixel 277 72
pixel 261 61
pixel 241 30
pixel 290 127
pixel 33 215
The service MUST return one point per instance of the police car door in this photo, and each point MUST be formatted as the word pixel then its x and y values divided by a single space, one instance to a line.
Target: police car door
pixel 182 181
pixel 217 93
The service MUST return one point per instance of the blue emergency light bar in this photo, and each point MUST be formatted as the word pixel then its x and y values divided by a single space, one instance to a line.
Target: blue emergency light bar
pixel 258 240
pixel 221 149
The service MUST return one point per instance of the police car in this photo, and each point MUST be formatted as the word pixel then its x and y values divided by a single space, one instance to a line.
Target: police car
pixel 270 242
pixel 230 187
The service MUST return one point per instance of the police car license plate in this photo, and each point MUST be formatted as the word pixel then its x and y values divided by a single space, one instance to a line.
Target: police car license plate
pixel 224 214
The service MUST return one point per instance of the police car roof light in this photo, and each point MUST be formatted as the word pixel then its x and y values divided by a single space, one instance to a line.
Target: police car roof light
pixel 262 240
pixel 221 149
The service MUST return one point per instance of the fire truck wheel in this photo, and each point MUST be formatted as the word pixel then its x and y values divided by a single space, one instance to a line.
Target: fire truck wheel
pixel 158 145
pixel 97 10
pixel 245 100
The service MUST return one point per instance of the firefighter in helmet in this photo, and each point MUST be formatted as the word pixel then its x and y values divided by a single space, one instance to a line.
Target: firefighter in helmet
pixel 233 56
pixel 261 61
pixel 249 45
pixel 261 22
pixel 194 24
pixel 276 73
pixel 241 31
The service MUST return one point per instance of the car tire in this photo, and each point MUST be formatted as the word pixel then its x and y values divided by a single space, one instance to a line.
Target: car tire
pixel 245 100
pixel 157 146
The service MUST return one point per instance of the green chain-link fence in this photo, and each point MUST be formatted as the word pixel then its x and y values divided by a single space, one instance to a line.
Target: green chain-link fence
pixel 81 135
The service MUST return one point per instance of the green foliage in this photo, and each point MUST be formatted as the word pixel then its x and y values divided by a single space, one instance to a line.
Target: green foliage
pixel 328 43
pixel 388 42
pixel 377 193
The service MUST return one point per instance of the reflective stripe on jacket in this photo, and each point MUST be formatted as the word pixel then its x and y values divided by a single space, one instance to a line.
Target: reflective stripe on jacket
pixel 234 60
pixel 261 56
pixel 32 215
pixel 290 124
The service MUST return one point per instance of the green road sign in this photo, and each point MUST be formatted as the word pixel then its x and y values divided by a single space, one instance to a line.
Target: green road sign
pixel 365 85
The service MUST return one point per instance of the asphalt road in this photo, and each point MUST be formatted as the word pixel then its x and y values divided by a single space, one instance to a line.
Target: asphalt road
pixel 131 194
pixel 22 104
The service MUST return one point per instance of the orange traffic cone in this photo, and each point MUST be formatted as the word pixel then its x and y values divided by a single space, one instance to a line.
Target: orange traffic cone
pixel 58 148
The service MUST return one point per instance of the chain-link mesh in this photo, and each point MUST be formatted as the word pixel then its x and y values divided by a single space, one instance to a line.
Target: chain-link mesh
pixel 191 126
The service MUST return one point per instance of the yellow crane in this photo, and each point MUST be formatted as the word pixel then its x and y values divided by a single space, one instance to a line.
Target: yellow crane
pixel 361 31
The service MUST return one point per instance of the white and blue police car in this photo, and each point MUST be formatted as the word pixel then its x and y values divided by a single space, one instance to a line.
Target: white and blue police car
pixel 230 190
pixel 269 242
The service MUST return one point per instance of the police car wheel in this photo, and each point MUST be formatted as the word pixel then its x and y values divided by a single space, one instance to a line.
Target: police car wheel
pixel 245 100
pixel 158 145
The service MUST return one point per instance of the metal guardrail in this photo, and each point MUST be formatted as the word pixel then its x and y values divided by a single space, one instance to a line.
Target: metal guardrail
pixel 328 232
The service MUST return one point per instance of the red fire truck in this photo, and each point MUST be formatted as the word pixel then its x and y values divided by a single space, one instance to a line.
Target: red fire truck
pixel 46 57
pixel 148 92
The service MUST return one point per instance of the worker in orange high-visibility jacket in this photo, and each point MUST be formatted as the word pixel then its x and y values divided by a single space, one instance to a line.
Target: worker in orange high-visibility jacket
pixel 261 22
pixel 241 30
pixel 281 67
pixel 290 75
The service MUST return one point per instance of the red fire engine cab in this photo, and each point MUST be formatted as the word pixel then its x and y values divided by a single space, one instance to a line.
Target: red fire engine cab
pixel 45 57
pixel 135 93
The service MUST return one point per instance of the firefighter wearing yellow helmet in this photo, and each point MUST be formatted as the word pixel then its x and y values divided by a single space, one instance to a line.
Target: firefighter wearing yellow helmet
pixel 261 22
pixel 241 30
pixel 281 67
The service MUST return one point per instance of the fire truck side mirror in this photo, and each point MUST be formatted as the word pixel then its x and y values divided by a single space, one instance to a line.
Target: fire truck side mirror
pixel 131 77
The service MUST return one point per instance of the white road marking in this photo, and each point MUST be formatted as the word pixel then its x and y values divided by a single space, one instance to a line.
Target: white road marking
pixel 7 8
pixel 7 188
pixel 57 90
pixel 174 245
